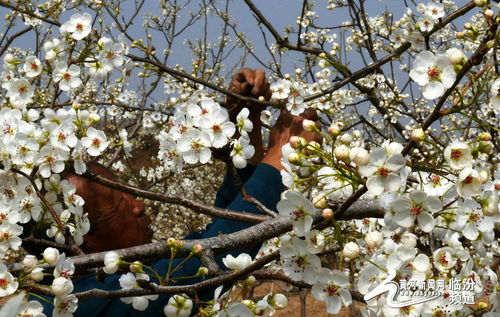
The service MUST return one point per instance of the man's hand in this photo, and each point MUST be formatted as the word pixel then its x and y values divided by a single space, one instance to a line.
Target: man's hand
pixel 249 82
pixel 287 126
pixel 253 83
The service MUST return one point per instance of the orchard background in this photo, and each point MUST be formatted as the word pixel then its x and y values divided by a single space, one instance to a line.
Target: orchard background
pixel 405 183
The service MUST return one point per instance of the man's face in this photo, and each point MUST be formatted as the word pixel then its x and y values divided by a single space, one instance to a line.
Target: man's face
pixel 117 220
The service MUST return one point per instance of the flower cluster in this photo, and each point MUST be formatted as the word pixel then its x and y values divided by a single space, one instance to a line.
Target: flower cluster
pixel 200 125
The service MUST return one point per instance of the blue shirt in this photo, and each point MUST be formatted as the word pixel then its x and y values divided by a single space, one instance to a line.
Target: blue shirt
pixel 262 182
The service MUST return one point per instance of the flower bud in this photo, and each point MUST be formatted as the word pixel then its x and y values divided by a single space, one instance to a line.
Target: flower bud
pixel 62 286
pixel 456 56
pixel 351 250
pixel 327 213
pixel 482 305
pixel 309 125
pixel 480 3
pixel 136 267
pixel 483 176
pixel 409 240
pixel 202 271
pixel 249 281
pixel 341 152
pixel 111 262
pixel 313 146
pixel 297 142
pixel 485 147
pixel 171 242
pixel 94 117
pixel 346 138
pixel 9 58
pixel 294 158
pixel 360 156
pixel 418 135
pixel 334 129
pixel 37 274
pixel 485 136
pixel 50 255
pixel 490 205
pixel 30 261
pixel 279 301
pixel 298 71
pixel 197 248
pixel 319 201
pixel 489 13
pixel 374 239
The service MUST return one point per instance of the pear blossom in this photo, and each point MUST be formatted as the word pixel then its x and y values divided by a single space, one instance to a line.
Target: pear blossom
pixel 31 309
pixel 95 141
pixel 472 220
pixel 332 288
pixel 111 54
pixel 419 206
pixel 97 69
pixel 458 155
pixel 218 127
pixel 417 40
pixel 295 206
pixel 241 152
pixel 194 146
pixel 298 263
pixel 495 95
pixel 129 281
pixel 178 306
pixel 67 77
pixel 444 259
pixel 51 160
pixel 9 237
pixel 79 25
pixel 315 241
pixel 20 92
pixel 65 306
pixel 8 284
pixel 382 171
pixel 64 267
pixel 54 49
pixel 281 89
pixel 434 72
pixel 235 309
pixel 6 77
pixel 434 9
pixel 469 182
pixel 239 263
pixel 296 105
pixel 244 124
pixel 32 66
pixel 64 137
pixel 425 23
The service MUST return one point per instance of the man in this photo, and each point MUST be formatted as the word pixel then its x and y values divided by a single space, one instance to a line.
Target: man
pixel 117 219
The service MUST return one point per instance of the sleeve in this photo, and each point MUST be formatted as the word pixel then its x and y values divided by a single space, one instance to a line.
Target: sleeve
pixel 264 184
pixel 227 191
